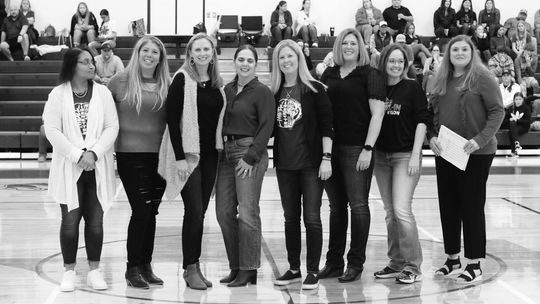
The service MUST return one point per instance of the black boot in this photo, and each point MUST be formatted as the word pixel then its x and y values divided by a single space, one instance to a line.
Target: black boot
pixel 134 278
pixel 244 277
pixel 149 276
pixel 232 275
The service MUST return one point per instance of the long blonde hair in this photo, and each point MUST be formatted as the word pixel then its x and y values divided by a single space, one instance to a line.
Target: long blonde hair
pixel 213 67
pixel 473 71
pixel 303 71
pixel 133 93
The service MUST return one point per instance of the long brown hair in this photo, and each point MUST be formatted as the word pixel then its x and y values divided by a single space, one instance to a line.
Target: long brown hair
pixel 213 70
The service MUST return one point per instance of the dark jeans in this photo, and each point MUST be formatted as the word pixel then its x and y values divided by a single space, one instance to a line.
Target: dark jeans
pixel 308 34
pixel 462 196
pixel 237 206
pixel 144 188
pixel 90 210
pixel 302 188
pixel 196 195
pixel 514 132
pixel 348 187
pixel 280 34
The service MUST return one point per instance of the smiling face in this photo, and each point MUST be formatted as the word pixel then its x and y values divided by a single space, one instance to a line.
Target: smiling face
pixel 460 54
pixel 411 30
pixel 349 47
pixel 479 31
pixel 245 64
pixel 396 3
pixel 395 64
pixel 288 61
pixel 13 10
pixel 307 5
pixel 467 4
pixel 447 3
pixel 518 101
pixel 436 51
pixel 201 51
pixel 85 67
pixel 149 56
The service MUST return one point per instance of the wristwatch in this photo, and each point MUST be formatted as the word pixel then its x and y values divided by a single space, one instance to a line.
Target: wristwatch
pixel 327 155
pixel 367 147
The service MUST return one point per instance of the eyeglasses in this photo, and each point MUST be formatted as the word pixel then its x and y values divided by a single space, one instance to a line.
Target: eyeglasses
pixel 394 61
pixel 86 62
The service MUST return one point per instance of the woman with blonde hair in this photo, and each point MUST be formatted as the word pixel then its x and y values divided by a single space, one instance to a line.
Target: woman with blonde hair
pixel 189 151
pixel 140 93
pixel 302 153
pixel 356 91
pixel 466 100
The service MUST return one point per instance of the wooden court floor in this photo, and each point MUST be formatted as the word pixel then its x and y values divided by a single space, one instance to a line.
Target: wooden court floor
pixel 31 264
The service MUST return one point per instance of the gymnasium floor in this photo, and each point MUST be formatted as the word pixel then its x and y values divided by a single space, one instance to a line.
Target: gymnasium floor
pixel 31 263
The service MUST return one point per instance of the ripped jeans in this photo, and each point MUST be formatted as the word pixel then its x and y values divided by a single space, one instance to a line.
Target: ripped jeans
pixel 144 188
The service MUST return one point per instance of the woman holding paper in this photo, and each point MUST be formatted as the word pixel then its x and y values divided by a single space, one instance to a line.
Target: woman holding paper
pixel 398 163
pixel 465 100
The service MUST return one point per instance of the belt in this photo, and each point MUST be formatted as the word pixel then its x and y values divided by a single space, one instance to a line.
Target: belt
pixel 227 138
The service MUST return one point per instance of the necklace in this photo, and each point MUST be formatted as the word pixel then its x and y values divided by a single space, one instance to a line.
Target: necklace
pixel 82 94
pixel 289 92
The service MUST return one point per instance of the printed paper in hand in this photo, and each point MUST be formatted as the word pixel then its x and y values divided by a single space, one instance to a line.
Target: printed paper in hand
pixel 452 148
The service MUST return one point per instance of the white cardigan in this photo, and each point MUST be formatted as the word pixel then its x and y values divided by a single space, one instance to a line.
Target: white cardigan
pixel 63 132
pixel 302 19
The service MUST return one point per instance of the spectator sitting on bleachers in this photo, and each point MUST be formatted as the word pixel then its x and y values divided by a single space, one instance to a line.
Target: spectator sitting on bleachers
pixel 107 33
pixel 368 18
pixel 28 13
pixel 481 41
pixel 518 121
pixel 444 22
pixel 430 68
pixel 525 69
pixel 397 17
pixel 107 64
pixel 500 41
pixel 466 18
pixel 509 88
pixel 83 23
pixel 402 41
pixel 521 38
pixel 489 17
pixel 281 23
pixel 306 29
pixel 500 62
pixel 13 33
pixel 537 28
pixel 378 41
pixel 420 51
pixel 511 23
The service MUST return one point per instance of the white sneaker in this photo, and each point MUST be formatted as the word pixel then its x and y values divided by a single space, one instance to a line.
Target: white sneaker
pixel 68 281
pixel 95 280
pixel 315 45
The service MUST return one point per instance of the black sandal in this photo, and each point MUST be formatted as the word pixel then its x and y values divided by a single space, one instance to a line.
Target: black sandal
pixel 471 274
pixel 450 267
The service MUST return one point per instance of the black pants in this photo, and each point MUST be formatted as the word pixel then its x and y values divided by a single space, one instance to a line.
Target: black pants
pixel 90 209
pixel 514 132
pixel 144 188
pixel 196 195
pixel 302 188
pixel 462 197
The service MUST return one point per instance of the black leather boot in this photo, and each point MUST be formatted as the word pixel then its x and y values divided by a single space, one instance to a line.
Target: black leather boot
pixel 229 278
pixel 149 276
pixel 243 278
pixel 135 279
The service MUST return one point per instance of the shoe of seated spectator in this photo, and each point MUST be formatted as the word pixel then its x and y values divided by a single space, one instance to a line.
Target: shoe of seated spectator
pixel 42 158
pixel 517 147
pixel 512 155
pixel 27 58
pixel 315 45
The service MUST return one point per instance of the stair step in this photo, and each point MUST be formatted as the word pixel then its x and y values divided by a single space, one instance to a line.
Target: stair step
pixel 20 107
pixel 20 123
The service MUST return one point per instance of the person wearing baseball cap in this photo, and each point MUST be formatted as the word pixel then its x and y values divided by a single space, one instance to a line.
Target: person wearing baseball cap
pixel 508 87
pixel 107 64
pixel 511 24
pixel 397 17
pixel 378 41
pixel 402 41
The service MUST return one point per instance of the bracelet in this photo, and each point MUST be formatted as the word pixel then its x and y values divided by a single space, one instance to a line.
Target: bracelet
pixel 328 159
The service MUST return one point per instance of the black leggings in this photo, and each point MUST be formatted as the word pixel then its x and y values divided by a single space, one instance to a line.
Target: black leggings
pixel 144 188
pixel 90 209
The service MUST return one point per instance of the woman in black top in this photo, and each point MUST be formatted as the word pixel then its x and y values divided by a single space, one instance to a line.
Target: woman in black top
pixel 83 23
pixel 247 126
pixel 195 107
pixel 356 91
pixel 398 163
pixel 281 23
pixel 466 18
pixel 518 121
pixel 444 21
pixel 302 146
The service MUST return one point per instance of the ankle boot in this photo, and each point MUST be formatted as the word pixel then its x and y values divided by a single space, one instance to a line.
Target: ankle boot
pixel 244 278
pixel 134 278
pixel 208 283
pixel 148 274
pixel 193 279
pixel 232 275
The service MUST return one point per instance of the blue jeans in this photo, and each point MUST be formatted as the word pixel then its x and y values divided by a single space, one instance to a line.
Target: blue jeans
pixel 302 188
pixel 397 188
pixel 348 187
pixel 237 206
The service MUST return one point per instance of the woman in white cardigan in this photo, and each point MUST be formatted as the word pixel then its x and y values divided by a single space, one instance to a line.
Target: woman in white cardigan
pixel 305 26
pixel 81 123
